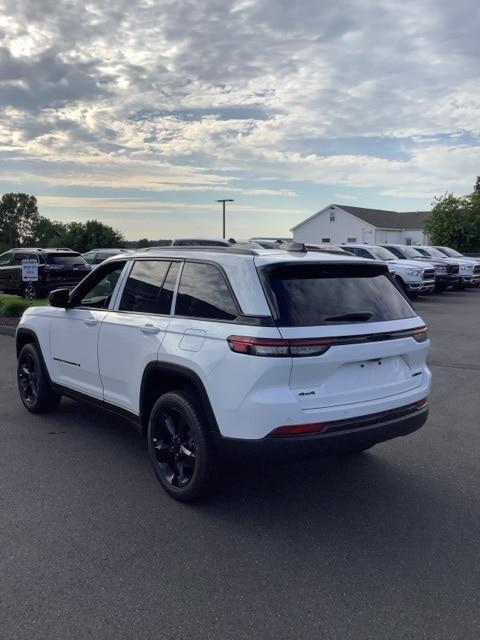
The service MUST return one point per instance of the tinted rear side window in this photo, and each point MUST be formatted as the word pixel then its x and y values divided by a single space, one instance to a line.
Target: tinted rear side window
pixel 311 295
pixel 143 289
pixel 203 293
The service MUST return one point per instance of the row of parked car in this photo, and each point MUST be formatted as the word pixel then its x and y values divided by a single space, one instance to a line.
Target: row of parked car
pixel 417 270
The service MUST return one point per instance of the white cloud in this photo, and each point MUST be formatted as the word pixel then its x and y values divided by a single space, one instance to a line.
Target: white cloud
pixel 182 95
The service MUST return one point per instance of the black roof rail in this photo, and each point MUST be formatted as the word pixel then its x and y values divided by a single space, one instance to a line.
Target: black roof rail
pixel 216 249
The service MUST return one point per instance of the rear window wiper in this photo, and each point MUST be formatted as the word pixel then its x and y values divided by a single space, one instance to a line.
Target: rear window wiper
pixel 361 316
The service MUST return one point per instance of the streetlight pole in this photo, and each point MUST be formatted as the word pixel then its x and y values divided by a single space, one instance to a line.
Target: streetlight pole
pixel 223 209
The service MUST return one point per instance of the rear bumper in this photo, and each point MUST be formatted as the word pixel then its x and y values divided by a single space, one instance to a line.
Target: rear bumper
pixel 340 435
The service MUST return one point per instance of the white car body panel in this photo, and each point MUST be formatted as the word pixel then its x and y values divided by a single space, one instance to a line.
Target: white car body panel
pixel 250 396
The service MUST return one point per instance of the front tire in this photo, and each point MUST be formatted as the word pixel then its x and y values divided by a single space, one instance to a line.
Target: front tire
pixel 180 447
pixel 33 383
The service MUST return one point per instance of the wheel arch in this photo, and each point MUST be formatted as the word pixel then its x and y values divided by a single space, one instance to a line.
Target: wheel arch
pixel 160 377
pixel 27 336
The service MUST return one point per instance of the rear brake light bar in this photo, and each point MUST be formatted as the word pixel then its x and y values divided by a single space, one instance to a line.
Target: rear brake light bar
pixel 278 347
pixel 305 347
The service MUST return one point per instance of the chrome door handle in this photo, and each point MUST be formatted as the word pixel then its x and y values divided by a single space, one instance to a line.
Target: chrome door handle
pixel 149 329
pixel 91 322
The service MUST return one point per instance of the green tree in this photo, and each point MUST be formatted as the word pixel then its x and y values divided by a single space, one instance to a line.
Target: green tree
pixel 18 217
pixel 83 236
pixel 142 243
pixel 47 233
pixel 455 222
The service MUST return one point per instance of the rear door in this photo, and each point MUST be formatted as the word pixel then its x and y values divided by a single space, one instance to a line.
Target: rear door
pixel 360 314
pixel 131 335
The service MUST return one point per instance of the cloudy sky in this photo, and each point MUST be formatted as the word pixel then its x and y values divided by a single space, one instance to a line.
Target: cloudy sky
pixel 141 113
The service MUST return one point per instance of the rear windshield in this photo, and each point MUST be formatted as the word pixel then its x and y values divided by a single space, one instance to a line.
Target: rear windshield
pixel 311 295
pixel 67 259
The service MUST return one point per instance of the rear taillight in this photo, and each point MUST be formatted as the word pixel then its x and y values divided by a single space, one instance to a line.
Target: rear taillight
pixel 420 335
pixel 298 429
pixel 421 403
pixel 278 347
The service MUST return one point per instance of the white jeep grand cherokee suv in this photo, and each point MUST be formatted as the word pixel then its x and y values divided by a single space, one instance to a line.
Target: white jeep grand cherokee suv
pixel 210 351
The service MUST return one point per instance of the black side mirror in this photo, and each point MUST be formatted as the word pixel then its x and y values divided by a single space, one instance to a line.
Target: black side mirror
pixel 60 298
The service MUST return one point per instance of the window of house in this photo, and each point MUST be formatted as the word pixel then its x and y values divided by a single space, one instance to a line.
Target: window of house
pixel 149 287
pixel 408 241
pixel 203 293
pixel 326 240
pixel 351 239
pixel 332 215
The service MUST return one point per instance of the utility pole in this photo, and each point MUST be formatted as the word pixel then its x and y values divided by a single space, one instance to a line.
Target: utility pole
pixel 223 208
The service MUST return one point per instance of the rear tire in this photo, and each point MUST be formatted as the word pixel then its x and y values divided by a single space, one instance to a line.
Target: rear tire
pixel 180 447
pixel 33 382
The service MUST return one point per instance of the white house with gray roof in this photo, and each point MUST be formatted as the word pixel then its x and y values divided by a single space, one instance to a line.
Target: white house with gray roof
pixel 338 223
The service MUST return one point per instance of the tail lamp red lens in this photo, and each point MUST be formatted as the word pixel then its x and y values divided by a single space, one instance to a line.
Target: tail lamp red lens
pixel 279 347
pixel 420 335
pixel 421 403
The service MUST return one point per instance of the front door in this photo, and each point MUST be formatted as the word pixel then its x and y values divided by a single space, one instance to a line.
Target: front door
pixel 74 333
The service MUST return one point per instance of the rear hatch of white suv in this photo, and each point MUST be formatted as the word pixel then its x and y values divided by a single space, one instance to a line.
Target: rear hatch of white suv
pixel 353 336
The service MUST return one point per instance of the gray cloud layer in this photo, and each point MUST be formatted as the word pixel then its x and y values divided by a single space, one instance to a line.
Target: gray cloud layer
pixel 148 92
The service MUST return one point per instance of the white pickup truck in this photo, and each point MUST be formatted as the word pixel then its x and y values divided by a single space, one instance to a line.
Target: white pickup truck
pixel 414 277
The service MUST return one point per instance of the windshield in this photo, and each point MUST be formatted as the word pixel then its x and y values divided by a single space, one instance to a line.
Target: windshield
pixel 431 251
pixel 382 254
pixel 451 252
pixel 410 252
pixel 327 294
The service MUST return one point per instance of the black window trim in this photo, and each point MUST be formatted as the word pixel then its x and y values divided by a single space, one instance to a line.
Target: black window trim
pixel 242 318
pixel 130 262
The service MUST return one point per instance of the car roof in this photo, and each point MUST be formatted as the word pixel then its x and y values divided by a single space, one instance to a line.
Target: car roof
pixel 222 254
pixel 57 250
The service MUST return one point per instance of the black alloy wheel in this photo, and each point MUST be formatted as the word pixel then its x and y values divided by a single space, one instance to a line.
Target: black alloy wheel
pixel 174 447
pixel 34 383
pixel 179 446
pixel 28 378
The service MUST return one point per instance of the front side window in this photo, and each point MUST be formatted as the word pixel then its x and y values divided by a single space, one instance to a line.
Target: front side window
pixel 5 259
pixel 149 287
pixel 100 287
pixel 315 294
pixel 203 293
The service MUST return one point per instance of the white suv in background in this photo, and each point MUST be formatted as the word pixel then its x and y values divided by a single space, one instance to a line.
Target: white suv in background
pixel 414 277
pixel 232 350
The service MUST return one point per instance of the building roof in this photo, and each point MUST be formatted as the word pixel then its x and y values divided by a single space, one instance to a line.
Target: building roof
pixel 381 218
pixel 389 219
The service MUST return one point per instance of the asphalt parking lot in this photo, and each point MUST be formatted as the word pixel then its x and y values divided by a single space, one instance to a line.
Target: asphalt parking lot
pixel 381 546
